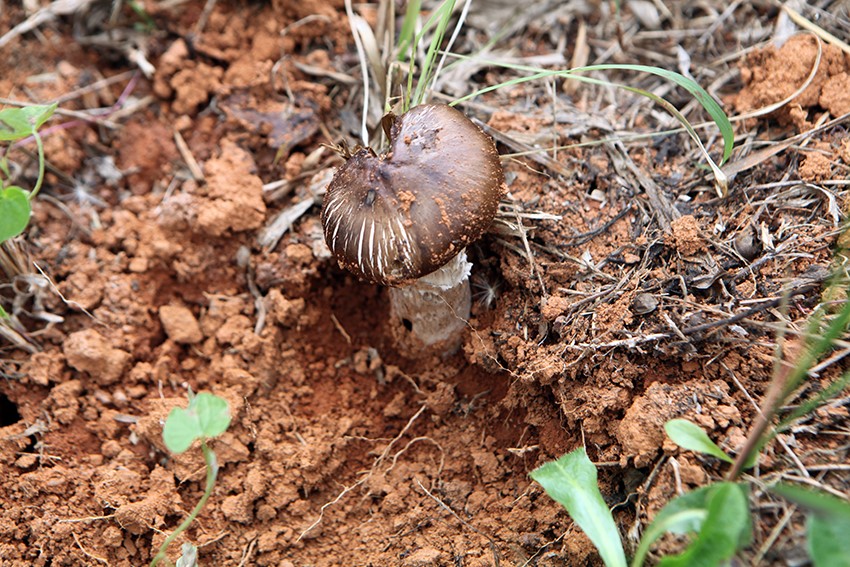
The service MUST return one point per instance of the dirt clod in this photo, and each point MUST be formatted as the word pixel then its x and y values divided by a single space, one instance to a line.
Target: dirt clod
pixel 88 351
pixel 180 324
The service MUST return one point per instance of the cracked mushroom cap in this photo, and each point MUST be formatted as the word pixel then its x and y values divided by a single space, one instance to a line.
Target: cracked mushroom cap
pixel 396 217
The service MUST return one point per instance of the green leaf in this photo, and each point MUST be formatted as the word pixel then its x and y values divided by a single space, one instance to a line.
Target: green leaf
pixel 828 543
pixel 3 314
pixel 14 212
pixel 206 417
pixel 820 503
pixel 571 481
pixel 691 436
pixel 180 430
pixel 726 529
pixel 17 123
pixel 682 515
pixel 701 95
pixel 213 414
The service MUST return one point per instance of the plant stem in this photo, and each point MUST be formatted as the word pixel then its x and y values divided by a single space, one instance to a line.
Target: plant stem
pixel 40 179
pixel 772 402
pixel 212 473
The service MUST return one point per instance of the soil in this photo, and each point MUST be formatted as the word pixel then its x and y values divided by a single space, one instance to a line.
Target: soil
pixel 650 298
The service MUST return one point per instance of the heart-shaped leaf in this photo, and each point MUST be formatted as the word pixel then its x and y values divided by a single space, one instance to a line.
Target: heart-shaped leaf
pixel 17 123
pixel 14 212
pixel 181 429
pixel 206 417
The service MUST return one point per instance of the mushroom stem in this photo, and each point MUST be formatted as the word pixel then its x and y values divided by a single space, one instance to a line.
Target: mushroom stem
pixel 430 314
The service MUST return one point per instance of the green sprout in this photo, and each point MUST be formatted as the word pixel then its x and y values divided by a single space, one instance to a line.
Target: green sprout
pixel 15 207
pixel 206 417
pixel 15 124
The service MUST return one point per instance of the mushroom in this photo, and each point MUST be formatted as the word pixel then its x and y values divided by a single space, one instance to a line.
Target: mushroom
pixel 404 218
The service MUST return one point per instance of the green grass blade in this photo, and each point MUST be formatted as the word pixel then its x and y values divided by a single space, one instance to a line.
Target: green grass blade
pixel 811 404
pixel 692 437
pixel 408 27
pixel 828 524
pixel 701 95
pixel 819 503
pixel 440 20
pixel 571 481
pixel 458 26
pixel 817 345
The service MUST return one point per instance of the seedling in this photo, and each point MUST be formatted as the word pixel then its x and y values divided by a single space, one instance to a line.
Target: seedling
pixel 206 417
pixel 718 515
pixel 15 201
pixel 16 124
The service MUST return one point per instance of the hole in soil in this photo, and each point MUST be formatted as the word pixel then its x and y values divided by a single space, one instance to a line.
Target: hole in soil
pixel 8 411
pixel 407 324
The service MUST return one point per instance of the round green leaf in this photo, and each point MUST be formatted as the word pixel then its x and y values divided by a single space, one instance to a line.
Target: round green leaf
pixel 14 212
pixel 181 429
pixel 213 414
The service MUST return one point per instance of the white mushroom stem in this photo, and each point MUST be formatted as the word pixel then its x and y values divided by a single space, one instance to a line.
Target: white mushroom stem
pixel 432 312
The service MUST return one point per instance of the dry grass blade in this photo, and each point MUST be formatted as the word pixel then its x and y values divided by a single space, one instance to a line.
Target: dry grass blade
pixel 777 105
pixel 733 168
pixel 364 69
pixel 274 231
pixel 814 28
pixel 46 14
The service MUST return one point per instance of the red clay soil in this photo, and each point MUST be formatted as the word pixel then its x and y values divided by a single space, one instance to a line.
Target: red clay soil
pixel 344 450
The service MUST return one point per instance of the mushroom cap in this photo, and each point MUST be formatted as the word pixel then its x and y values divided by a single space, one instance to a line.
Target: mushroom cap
pixel 394 218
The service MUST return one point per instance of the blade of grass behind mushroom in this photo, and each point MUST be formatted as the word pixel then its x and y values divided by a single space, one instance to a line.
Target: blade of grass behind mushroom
pixel 356 30
pixel 439 20
pixel 708 103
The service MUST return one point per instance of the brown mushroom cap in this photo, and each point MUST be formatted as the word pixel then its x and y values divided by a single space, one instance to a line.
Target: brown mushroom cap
pixel 399 216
